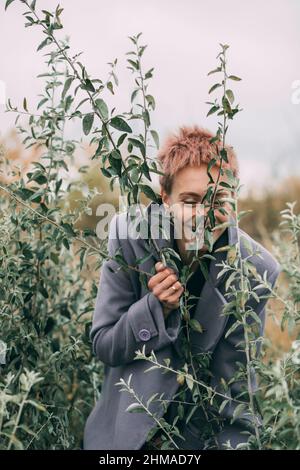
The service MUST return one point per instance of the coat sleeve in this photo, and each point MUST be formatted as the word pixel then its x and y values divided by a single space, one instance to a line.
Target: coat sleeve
pixel 227 359
pixel 123 324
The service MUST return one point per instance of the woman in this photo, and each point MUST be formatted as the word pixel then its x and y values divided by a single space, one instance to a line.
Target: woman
pixel 130 314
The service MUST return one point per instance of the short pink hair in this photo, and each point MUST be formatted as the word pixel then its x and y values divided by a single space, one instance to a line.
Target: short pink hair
pixel 191 147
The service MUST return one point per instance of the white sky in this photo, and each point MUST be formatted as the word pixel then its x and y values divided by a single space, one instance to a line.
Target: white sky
pixel 183 40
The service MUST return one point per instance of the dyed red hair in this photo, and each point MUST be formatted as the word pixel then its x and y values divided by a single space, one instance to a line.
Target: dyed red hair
pixel 190 147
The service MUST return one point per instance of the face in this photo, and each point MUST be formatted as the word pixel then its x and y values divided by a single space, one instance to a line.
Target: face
pixel 185 202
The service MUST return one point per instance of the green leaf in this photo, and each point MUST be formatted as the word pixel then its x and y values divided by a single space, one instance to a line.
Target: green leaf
pixel 146 117
pixel 66 243
pixel 149 73
pixel 50 324
pixel 255 317
pixel 39 177
pixel 88 85
pixel 43 101
pixel 222 406
pixel 214 87
pixel 25 105
pixel 135 408
pixel 115 154
pixel 110 87
pixel 99 148
pixel 102 108
pixel 36 405
pixel 44 43
pixel 211 164
pixel 233 327
pixel 212 110
pixel 121 139
pixel 138 144
pixel 230 95
pixel 241 214
pixel 145 170
pixel 155 138
pixel 151 101
pixel 247 244
pixel 214 71
pixel 195 325
pixel 105 172
pixel 134 64
pixel 230 176
pixel 223 153
pixel 231 255
pixel 116 165
pixel 134 93
pixel 141 50
pixel 189 380
pixel 8 2
pixel 87 123
pixel 224 46
pixel 119 124
pixel 134 175
pixel 25 193
pixel 148 192
pixel 226 105
pixel 237 412
pixel 66 86
pixel 68 228
pixel 233 77
pixel 43 291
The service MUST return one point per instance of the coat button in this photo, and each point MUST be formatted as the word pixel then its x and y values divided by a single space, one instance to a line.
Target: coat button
pixel 144 335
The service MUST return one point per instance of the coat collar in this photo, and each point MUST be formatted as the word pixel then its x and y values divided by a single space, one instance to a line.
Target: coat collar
pixel 210 305
pixel 219 256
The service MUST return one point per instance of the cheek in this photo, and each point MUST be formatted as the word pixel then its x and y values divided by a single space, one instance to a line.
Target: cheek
pixel 221 218
pixel 177 212
pixel 183 213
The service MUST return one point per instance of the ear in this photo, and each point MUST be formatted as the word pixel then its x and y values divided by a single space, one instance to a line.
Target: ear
pixel 165 198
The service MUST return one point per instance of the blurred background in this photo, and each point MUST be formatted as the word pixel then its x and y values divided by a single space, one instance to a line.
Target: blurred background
pixel 183 42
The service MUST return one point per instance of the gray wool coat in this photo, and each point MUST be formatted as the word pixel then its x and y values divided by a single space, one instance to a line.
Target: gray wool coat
pixel 128 316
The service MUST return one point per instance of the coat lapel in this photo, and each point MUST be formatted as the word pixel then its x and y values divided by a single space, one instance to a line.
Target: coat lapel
pixel 210 305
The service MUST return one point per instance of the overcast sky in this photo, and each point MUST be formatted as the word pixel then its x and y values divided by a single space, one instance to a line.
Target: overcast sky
pixel 183 40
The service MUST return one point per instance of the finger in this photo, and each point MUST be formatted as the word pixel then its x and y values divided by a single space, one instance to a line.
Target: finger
pixel 171 296
pixel 173 290
pixel 175 297
pixel 159 266
pixel 165 284
pixel 159 277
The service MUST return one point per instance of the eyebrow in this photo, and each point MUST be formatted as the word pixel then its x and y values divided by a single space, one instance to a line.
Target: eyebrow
pixel 191 194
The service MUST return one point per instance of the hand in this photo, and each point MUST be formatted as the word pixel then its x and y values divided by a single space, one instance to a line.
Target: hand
pixel 161 286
